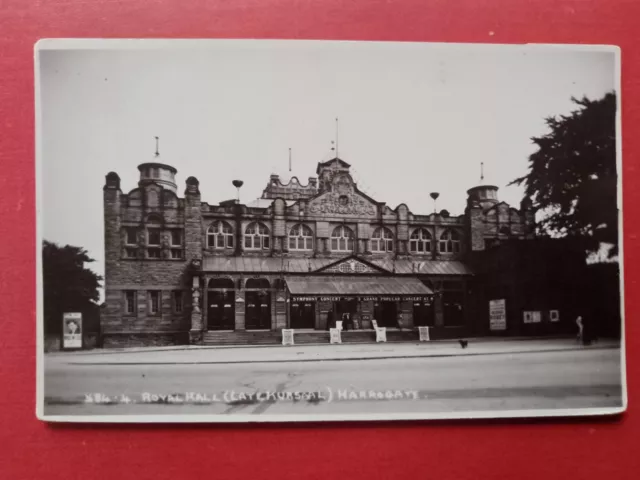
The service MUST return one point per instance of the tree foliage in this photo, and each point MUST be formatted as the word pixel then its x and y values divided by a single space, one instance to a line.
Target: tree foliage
pixel 68 285
pixel 572 179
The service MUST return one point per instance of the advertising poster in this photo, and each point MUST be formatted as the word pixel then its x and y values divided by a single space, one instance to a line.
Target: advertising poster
pixel 71 330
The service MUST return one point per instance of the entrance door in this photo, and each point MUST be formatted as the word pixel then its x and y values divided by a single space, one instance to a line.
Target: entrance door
pixel 258 312
pixel 303 314
pixel 423 314
pixel 221 312
pixel 386 314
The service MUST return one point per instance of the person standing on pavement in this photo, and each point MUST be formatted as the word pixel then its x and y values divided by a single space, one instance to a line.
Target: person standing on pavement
pixel 580 325
pixel 329 320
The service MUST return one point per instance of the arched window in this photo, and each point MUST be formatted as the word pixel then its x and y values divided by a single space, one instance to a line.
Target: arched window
pixel 258 283
pixel 256 237
pixel 220 235
pixel 300 238
pixel 450 242
pixel 222 283
pixel 342 239
pixel 382 240
pixel 420 241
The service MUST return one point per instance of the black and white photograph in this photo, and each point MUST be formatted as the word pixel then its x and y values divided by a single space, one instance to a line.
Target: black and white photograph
pixel 284 230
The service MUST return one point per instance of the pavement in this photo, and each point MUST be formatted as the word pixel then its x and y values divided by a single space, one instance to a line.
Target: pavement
pixel 346 382
pixel 314 353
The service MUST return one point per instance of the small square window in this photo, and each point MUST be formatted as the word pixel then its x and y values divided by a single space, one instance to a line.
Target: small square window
pixel 130 252
pixel 176 254
pixel 153 253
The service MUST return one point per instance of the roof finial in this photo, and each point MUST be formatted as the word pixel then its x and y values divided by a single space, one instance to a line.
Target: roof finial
pixel 157 147
pixel 289 158
pixel 481 171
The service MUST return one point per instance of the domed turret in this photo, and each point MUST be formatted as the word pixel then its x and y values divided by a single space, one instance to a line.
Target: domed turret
pixel 164 175
pixel 485 195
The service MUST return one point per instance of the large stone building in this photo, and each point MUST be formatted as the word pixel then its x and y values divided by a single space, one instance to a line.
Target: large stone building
pixel 180 270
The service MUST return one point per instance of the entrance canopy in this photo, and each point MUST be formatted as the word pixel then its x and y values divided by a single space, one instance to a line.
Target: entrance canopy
pixel 346 286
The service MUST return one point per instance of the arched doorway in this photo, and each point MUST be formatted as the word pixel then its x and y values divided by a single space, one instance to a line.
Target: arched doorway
pixel 258 304
pixel 386 313
pixel 423 313
pixel 221 305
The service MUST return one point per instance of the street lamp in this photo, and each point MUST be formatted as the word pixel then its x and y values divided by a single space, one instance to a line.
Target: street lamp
pixel 238 184
pixel 435 196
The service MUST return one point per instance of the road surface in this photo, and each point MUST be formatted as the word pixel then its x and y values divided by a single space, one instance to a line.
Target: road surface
pixel 583 378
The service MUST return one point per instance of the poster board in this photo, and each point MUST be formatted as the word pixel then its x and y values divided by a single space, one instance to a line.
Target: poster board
pixel 424 334
pixel 334 335
pixel 381 334
pixel 287 336
pixel 71 330
pixel 497 315
pixel 531 317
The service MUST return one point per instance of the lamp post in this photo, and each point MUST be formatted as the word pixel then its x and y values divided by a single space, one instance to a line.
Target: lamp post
pixel 434 196
pixel 238 184
pixel 238 218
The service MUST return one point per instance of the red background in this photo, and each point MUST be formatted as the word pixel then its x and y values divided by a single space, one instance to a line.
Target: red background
pixel 462 450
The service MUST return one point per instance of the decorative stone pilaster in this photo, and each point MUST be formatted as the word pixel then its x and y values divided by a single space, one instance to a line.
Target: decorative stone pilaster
pixel 195 334
pixel 437 305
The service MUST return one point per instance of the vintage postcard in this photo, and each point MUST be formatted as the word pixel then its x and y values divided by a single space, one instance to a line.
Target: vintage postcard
pixel 260 231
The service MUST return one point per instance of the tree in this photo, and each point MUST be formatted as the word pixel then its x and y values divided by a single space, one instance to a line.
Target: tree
pixel 68 285
pixel 572 179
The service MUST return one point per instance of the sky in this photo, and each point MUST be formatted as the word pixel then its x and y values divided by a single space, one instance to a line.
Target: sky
pixel 413 118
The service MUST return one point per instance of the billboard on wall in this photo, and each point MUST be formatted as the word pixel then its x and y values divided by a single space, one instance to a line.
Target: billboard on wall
pixel 497 315
pixel 72 330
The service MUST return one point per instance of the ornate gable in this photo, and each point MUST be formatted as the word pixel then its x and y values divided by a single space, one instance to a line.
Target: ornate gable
pixel 342 198
pixel 350 266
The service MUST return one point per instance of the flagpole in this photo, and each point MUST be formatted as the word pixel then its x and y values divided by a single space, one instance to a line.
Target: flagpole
pixel 337 138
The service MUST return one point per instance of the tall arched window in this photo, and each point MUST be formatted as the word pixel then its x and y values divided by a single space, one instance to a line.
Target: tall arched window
pixel 342 239
pixel 382 240
pixel 300 238
pixel 450 242
pixel 220 235
pixel 256 237
pixel 420 241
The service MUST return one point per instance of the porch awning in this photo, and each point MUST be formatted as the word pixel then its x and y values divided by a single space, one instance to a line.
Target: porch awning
pixel 354 285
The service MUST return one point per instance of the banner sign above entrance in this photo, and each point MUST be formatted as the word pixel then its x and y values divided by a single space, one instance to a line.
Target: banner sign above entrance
pixel 426 299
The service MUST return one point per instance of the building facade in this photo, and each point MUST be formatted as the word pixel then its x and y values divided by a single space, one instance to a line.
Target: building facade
pixel 179 270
